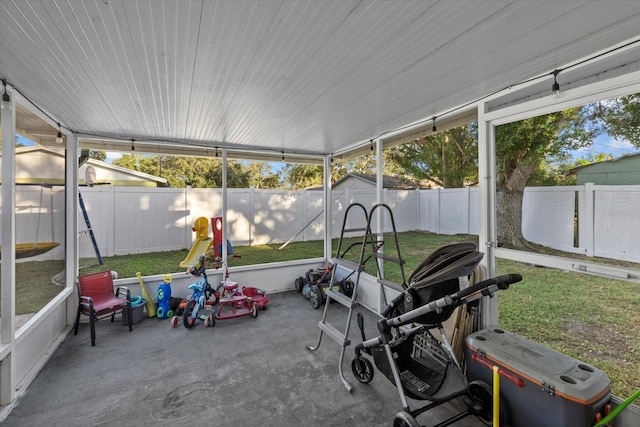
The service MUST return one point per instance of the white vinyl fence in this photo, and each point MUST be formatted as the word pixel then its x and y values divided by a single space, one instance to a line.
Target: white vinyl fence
pixel 591 220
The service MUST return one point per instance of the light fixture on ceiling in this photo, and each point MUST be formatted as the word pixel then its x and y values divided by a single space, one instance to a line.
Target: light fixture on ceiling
pixel 216 151
pixel 555 88
pixel 59 139
pixel 133 148
pixel 5 95
pixel 283 156
pixel 6 99
pixel 433 129
pixel 371 142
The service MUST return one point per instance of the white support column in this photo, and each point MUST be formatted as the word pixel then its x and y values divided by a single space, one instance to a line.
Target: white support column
pixel 487 203
pixel 72 212
pixel 8 286
pixel 380 198
pixel 224 253
pixel 327 207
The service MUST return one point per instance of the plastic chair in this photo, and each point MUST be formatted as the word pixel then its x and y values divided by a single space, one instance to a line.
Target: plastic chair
pixel 97 299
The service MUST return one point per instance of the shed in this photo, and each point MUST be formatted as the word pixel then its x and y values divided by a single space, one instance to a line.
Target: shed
pixel 624 170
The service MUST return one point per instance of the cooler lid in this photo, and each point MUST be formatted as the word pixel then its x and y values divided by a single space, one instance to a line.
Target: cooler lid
pixel 541 365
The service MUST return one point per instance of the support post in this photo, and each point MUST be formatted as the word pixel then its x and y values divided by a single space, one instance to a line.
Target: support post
pixel 8 283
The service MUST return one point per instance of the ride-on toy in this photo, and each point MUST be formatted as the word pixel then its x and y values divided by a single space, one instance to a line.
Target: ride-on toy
pixel 200 297
pixel 316 282
pixel 235 302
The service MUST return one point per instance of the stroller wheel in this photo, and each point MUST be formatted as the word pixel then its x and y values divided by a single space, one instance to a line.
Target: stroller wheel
pixel 362 369
pixel 299 284
pixel 482 399
pixel 315 296
pixel 403 419
pixel 254 310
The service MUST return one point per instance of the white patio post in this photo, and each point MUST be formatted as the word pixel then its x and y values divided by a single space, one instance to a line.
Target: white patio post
pixel 327 207
pixel 487 203
pixel 380 199
pixel 7 289
pixel 223 252
pixel 72 237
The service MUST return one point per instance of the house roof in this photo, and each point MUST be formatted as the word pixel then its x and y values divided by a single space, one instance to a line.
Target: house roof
pixel 626 157
pixel 293 79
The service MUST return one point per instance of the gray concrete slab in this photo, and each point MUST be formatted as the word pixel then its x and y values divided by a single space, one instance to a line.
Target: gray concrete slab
pixel 250 372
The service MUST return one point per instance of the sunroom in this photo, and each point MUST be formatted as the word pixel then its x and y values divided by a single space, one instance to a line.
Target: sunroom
pixel 310 82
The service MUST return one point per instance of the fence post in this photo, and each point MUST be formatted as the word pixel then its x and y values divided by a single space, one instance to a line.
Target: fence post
pixel 252 228
pixel 468 209
pixel 187 226
pixel 589 227
pixel 439 203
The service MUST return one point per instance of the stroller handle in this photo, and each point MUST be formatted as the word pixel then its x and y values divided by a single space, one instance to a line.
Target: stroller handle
pixel 502 282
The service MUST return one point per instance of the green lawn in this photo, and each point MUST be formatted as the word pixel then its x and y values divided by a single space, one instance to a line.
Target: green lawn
pixel 590 318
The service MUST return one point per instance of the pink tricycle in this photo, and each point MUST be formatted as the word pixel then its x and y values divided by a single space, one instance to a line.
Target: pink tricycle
pixel 235 302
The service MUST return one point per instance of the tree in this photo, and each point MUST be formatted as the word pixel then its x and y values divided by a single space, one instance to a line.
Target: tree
pixel 197 172
pixel 521 147
pixel 299 176
pixel 447 159
pixel 98 155
pixel 621 117
pixel 261 175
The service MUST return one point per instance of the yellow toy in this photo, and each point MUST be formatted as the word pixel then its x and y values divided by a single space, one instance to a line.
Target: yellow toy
pixel 151 308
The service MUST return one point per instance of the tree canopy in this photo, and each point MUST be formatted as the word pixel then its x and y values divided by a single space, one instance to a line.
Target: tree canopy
pixel 201 172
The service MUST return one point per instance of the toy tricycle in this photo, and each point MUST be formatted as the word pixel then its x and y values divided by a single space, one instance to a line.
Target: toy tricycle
pixel 200 297
pixel 235 302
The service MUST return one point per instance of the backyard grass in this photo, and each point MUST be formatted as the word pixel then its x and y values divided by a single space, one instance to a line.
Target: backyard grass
pixel 590 318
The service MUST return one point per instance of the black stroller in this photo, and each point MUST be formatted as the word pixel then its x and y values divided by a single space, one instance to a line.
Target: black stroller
pixel 421 366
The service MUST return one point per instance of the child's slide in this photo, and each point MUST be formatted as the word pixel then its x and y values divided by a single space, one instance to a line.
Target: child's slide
pixel 199 247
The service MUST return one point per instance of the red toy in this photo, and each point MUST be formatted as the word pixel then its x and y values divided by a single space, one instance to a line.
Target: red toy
pixel 235 302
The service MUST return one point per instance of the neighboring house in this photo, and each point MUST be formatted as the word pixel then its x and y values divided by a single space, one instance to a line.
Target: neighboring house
pixel 624 170
pixel 367 181
pixel 40 165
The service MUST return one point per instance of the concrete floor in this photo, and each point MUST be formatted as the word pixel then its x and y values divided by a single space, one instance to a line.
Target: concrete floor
pixel 250 372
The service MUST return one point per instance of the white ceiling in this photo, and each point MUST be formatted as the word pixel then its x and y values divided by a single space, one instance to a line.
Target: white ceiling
pixel 307 77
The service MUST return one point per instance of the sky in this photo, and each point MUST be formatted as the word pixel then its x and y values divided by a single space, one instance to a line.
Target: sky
pixel 607 145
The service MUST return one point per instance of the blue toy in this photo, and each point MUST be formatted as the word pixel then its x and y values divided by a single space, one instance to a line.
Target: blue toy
pixel 164 296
